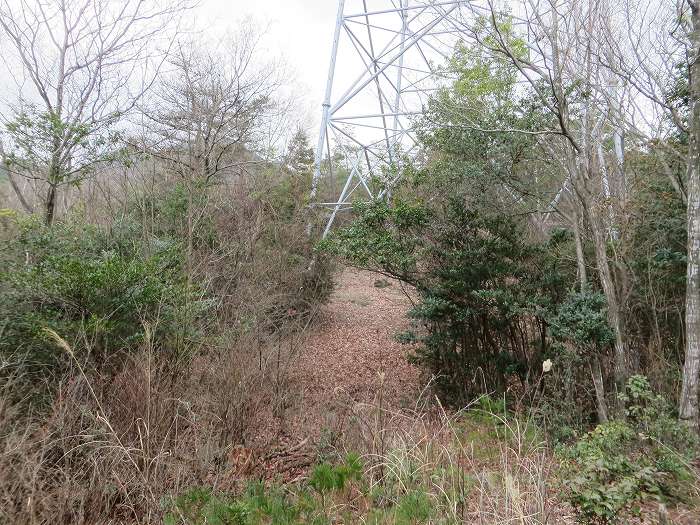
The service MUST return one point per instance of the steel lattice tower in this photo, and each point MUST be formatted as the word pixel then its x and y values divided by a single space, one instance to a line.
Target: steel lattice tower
pixel 397 51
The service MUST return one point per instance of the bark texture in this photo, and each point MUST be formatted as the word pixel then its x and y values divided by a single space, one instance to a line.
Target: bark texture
pixel 688 410
pixel 597 376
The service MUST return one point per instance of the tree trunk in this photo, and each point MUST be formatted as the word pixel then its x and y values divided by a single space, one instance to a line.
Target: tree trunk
pixel 594 365
pixel 50 204
pixel 10 177
pixel 606 280
pixel 18 192
pixel 597 376
pixel 578 238
pixel 54 177
pixel 688 410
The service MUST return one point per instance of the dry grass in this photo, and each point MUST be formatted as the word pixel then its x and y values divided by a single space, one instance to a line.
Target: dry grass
pixel 475 466
pixel 112 447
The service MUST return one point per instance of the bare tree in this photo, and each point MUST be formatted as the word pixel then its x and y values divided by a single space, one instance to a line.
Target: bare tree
pixel 553 47
pixel 208 114
pixel 689 409
pixel 81 66
pixel 648 55
pixel 209 118
pixel 659 56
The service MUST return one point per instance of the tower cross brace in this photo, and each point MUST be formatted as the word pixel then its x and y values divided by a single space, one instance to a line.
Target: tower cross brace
pixel 387 57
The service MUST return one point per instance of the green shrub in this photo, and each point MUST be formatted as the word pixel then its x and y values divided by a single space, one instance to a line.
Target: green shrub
pixel 483 287
pixel 97 288
pixel 414 507
pixel 326 477
pixel 582 320
pixel 274 505
pixel 615 467
pixel 202 507
pixel 260 504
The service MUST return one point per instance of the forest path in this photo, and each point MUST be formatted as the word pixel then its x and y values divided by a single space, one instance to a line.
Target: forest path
pixel 351 354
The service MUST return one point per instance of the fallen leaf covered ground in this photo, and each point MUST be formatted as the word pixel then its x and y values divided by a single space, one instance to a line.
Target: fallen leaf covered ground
pixel 350 351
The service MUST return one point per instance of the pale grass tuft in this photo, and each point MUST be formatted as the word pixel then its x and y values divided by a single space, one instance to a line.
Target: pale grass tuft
pixel 62 343
pixel 475 466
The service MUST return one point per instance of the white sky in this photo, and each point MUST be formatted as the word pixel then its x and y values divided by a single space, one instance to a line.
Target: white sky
pixel 299 31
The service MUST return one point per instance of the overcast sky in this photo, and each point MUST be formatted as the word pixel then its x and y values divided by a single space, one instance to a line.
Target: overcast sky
pixel 300 31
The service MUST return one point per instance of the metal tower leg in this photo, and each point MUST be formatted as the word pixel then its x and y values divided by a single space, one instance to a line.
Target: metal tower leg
pixel 318 159
pixel 393 48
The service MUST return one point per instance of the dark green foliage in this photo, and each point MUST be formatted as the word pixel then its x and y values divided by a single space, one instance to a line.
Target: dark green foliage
pixel 621 463
pixel 582 320
pixel 96 288
pixel 484 287
pixel 371 242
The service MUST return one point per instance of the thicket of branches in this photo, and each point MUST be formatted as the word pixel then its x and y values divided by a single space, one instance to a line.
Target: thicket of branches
pixel 155 257
pixel 154 270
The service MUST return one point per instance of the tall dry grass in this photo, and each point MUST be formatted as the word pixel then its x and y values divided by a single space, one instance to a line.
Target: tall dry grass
pixel 475 466
pixel 113 447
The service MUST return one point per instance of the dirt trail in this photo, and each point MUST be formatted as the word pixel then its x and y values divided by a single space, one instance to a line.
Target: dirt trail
pixel 348 355
pixel 349 351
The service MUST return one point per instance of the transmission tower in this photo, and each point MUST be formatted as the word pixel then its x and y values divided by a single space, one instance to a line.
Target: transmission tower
pixel 387 57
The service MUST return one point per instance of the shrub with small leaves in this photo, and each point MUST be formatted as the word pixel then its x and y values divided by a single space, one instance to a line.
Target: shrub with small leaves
pixel 482 286
pixel 582 320
pixel 620 464
pixel 95 287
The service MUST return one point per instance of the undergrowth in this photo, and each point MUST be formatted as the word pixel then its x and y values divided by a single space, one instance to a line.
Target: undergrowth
pixel 483 465
pixel 413 467
pixel 612 470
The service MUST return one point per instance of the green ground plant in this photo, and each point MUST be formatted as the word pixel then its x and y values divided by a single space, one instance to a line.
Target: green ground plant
pixel 621 464
pixel 97 287
pixel 311 502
